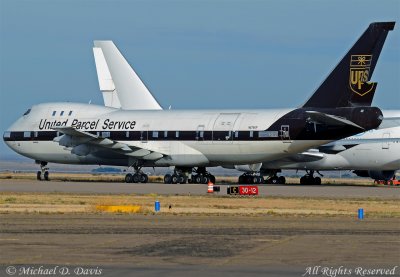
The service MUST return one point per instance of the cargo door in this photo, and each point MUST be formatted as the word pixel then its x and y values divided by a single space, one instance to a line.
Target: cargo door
pixel 223 127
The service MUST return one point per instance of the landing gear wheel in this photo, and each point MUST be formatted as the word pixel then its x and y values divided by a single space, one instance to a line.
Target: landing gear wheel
pixel 135 178
pixel 46 175
pixel 167 179
pixel 128 178
pixel 174 179
pixel 182 179
pixel 274 180
pixel 198 179
pixel 281 180
pixel 143 178
pixel 317 181
pixel 39 175
pixel 212 179
pixel 205 180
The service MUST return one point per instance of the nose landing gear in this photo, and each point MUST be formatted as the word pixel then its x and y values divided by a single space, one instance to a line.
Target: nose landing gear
pixel 43 173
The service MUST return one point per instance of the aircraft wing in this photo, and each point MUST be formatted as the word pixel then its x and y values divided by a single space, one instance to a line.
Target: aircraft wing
pixel 81 140
pixel 328 119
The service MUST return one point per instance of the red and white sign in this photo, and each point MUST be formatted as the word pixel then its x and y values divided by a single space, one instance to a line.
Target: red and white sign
pixel 248 190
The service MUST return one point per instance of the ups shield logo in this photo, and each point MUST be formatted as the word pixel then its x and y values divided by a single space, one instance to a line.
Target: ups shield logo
pixel 359 74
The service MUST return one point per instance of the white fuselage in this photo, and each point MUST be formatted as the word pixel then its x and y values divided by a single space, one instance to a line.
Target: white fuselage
pixel 231 135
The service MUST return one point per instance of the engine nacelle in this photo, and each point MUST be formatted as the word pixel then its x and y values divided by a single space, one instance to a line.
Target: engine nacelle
pixel 249 167
pixel 384 175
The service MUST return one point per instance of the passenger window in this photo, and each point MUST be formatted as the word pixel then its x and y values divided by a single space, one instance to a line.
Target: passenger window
pixel 35 134
pixel 165 134
pixel 251 134
pixel 127 134
pixel 62 113
pixel 27 134
pixel 236 134
pixel 105 134
pixel 54 113
pixel 70 113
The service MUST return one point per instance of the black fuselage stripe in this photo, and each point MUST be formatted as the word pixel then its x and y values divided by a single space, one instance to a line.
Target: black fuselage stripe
pixel 149 135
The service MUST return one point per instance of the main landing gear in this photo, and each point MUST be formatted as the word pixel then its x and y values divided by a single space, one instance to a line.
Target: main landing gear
pixel 309 178
pixel 250 178
pixel 274 179
pixel 43 173
pixel 183 176
pixel 137 177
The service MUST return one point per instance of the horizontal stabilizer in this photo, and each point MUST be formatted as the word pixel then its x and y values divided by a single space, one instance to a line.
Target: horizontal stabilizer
pixel 330 120
pixel 390 122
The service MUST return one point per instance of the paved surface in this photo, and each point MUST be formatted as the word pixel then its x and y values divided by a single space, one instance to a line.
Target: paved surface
pixel 167 245
pixel 339 191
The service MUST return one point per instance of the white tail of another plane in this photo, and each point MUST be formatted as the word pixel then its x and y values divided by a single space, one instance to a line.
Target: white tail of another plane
pixel 120 85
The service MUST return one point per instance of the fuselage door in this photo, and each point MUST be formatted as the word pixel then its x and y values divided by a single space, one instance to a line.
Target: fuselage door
pixel 284 132
pixel 223 127
pixel 385 142
pixel 200 133
pixel 144 133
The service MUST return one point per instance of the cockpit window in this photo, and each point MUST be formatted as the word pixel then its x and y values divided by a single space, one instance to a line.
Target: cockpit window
pixel 27 112
pixel 7 134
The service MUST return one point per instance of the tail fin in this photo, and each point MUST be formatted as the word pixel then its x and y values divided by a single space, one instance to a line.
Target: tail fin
pixel 106 83
pixel 348 84
pixel 131 91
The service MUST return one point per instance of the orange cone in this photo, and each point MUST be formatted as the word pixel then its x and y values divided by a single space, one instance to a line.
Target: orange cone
pixel 210 187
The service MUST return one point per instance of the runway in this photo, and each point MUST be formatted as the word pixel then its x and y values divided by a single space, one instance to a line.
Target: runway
pixel 329 191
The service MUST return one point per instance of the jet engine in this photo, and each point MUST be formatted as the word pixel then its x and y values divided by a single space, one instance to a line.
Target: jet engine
pixel 375 174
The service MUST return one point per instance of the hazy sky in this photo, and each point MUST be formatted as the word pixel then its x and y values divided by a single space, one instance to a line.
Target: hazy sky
pixel 191 54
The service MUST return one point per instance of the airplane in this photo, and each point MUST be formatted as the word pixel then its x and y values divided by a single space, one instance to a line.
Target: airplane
pixel 374 154
pixel 369 154
pixel 77 133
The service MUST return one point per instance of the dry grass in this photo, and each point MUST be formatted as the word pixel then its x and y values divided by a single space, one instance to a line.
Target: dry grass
pixel 209 205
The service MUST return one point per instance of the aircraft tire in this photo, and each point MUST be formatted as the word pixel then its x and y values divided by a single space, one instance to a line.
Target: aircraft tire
pixel 181 179
pixel 174 179
pixel 212 179
pixel 128 178
pixel 281 180
pixel 204 180
pixel 167 179
pixel 317 181
pixel 198 179
pixel 39 175
pixel 135 178
pixel 46 175
pixel 143 178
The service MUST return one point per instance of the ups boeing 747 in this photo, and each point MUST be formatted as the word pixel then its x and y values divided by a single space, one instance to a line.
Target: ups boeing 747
pixel 191 141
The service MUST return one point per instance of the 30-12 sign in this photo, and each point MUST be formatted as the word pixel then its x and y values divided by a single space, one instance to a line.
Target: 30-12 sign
pixel 243 190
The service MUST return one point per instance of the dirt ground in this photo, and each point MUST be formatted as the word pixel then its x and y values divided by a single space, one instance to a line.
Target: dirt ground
pixel 174 240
